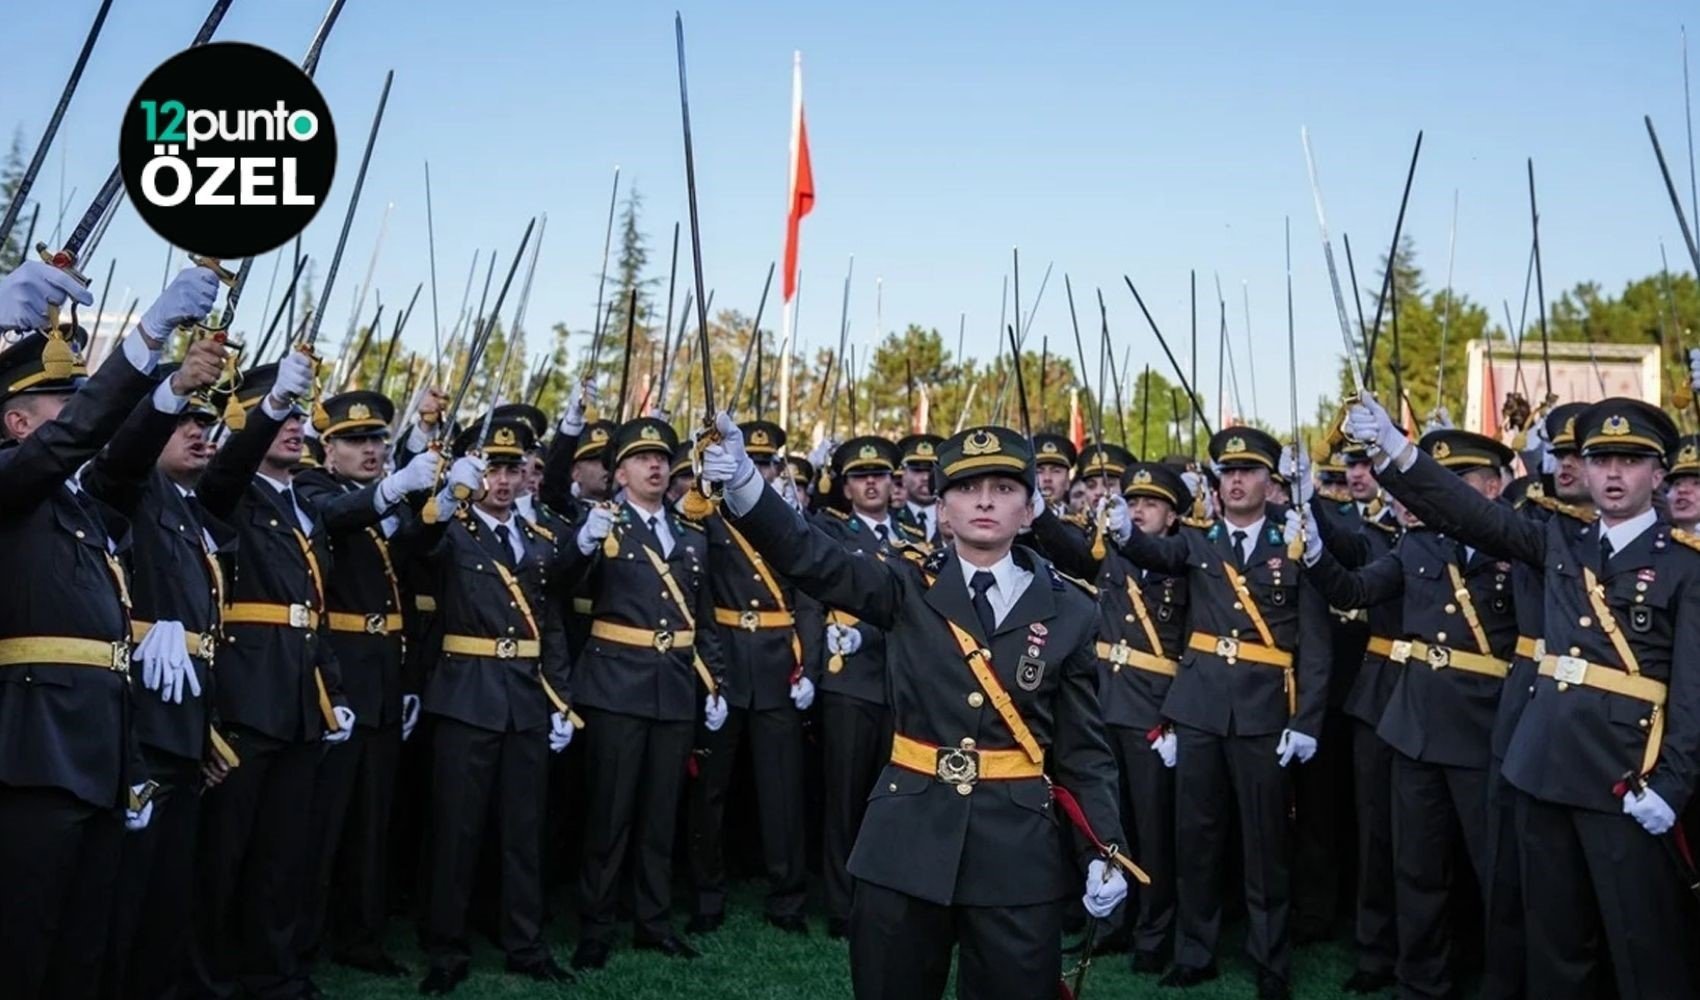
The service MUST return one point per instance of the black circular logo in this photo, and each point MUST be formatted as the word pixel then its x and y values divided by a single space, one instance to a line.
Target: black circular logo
pixel 227 150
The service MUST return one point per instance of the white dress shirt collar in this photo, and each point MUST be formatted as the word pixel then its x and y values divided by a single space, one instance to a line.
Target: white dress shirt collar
pixel 1624 533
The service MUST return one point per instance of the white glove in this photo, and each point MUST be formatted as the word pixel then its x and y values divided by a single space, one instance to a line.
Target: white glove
pixel 1165 746
pixel 1438 420
pixel 1116 519
pixel 467 471
pixel 560 732
pixel 344 725
pixel 803 694
pixel 1306 522
pixel 1535 447
pixel 188 299
pixel 597 525
pixel 138 819
pixel 822 452
pixel 572 418
pixel 294 377
pixel 409 715
pixel 31 288
pixel 1199 486
pixel 843 640
pixel 416 476
pixel 1295 465
pixel 1103 894
pixel 1037 502
pixel 725 461
pixel 714 713
pixel 1367 422
pixel 1295 744
pixel 1650 810
pixel 1693 365
pixel 164 657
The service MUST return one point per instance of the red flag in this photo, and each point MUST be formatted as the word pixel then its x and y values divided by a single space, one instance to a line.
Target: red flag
pixel 802 200
pixel 1076 425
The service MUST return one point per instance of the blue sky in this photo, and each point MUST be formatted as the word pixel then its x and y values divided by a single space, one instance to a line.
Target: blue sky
pixel 1110 138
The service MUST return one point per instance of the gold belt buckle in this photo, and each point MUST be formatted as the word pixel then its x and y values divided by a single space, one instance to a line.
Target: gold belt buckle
pixel 1570 670
pixel 1540 648
pixel 121 657
pixel 1401 650
pixel 1119 653
pixel 1227 647
pixel 959 766
pixel 507 649
pixel 1439 657
pixel 375 624
pixel 663 640
pixel 748 621
pixel 208 645
pixel 298 616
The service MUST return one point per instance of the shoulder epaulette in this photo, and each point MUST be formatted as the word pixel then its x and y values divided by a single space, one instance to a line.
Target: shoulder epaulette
pixel 1559 507
pixel 1078 520
pixel 1687 538
pixel 934 561
pixel 1058 578
pixel 1388 526
pixel 696 525
pixel 546 534
pixel 1201 523
pixel 835 512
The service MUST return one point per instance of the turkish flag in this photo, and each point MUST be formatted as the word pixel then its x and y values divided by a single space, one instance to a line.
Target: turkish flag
pixel 802 200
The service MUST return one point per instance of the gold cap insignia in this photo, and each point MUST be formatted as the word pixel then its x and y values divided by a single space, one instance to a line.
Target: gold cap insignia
pixel 1049 448
pixel 1142 477
pixel 1689 453
pixel 924 448
pixel 759 437
pixel 599 436
pixel 981 442
pixel 1615 426
pixel 648 433
pixel 1442 451
pixel 360 411
pixel 504 437
pixel 1235 444
pixel 1569 427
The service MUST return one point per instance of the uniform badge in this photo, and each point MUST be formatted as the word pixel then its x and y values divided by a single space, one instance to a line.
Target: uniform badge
pixel 1641 618
pixel 1029 672
pixel 1278 598
pixel 1039 629
pixel 1274 562
pixel 1647 575
pixel 1165 611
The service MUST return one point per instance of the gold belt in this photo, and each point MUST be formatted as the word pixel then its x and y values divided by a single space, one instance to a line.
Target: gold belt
pixel 1444 658
pixel 424 602
pixel 284 615
pixel 201 645
pixel 660 640
pixel 1531 649
pixel 962 765
pixel 751 621
pixel 62 651
pixel 1231 649
pixel 497 649
pixel 1380 646
pixel 1569 670
pixel 373 624
pixel 1122 655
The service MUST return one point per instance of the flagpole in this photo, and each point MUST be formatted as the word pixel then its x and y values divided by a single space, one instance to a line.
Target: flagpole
pixel 793 220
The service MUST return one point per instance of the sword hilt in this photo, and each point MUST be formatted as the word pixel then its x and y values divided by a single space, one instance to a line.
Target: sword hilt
pixel 226 276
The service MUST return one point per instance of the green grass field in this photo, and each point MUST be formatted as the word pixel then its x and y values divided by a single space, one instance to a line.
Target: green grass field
pixel 748 960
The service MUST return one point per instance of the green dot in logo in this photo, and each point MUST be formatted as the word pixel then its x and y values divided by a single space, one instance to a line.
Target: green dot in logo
pixel 303 124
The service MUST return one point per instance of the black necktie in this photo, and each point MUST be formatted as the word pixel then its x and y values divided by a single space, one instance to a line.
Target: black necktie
pixel 507 548
pixel 981 582
pixel 921 518
pixel 1239 548
pixel 1605 548
pixel 884 535
pixel 655 529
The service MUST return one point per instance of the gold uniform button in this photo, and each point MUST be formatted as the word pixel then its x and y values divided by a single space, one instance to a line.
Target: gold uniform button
pixel 81 535
pixel 1562 686
pixel 1238 606
pixel 1575 650
pixel 1643 723
pixel 891 787
pixel 1127 618
pixel 1440 637
pixel 965 789
pixel 976 699
pixel 1584 621
pixel 1452 609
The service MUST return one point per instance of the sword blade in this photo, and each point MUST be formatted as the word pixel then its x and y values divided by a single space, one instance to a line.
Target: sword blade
pixel 353 205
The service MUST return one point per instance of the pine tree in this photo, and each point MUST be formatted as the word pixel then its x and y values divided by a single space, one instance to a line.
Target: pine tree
pixel 11 178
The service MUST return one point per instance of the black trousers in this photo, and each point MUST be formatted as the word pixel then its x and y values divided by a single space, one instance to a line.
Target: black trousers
pixel 1431 804
pixel 900 948
pixel 1372 783
pixel 775 740
pixel 476 775
pixel 1595 883
pixel 251 868
pixel 58 863
pixel 1213 774
pixel 350 823
pixel 155 887
pixel 1148 815
pixel 1505 948
pixel 634 771
pixel 1322 827
pixel 856 737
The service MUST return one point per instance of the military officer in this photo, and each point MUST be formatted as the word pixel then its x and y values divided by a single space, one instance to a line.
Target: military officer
pixel 771 643
pixel 855 722
pixel 363 513
pixel 680 476
pixel 919 455
pixel 1604 755
pixel 148 474
pixel 801 472
pixel 1142 634
pixel 497 696
pixel 652 643
pixel 1247 699
pixel 992 678
pixel 279 695
pixel 1054 456
pixel 1451 660
pixel 70 774
pixel 1682 485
